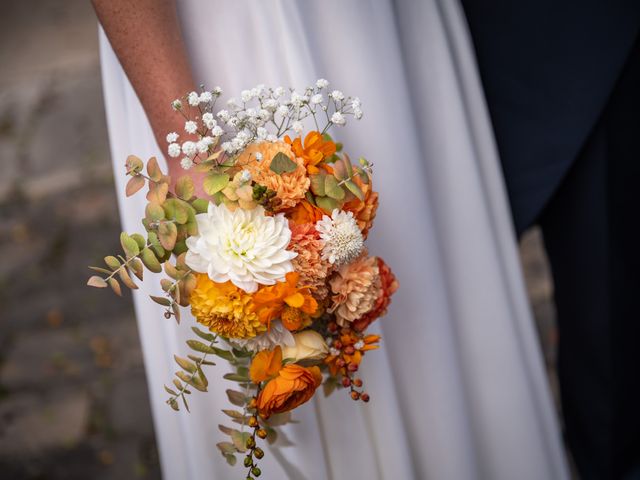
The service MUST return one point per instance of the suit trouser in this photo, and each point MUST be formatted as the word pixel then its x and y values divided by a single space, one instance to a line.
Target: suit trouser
pixel 591 229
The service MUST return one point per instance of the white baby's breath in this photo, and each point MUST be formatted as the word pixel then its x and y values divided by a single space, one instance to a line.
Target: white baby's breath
pixel 190 126
pixel 186 163
pixel 172 137
pixel 194 99
pixel 174 150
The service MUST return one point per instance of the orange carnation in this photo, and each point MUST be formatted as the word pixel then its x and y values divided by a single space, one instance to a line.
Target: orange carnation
pixel 314 149
pixel 304 212
pixel 287 301
pixel 266 364
pixel 388 286
pixel 293 386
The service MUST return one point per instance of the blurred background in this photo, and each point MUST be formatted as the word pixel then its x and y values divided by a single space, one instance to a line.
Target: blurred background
pixel 73 396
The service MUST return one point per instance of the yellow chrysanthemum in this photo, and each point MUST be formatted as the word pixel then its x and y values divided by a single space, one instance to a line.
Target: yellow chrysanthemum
pixel 225 309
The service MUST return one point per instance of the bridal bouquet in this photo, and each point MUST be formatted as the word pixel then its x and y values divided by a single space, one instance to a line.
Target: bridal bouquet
pixel 264 240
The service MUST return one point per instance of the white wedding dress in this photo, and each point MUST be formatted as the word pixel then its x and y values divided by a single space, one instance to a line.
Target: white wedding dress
pixel 458 389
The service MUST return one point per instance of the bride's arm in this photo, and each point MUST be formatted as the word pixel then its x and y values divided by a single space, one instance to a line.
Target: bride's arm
pixel 146 37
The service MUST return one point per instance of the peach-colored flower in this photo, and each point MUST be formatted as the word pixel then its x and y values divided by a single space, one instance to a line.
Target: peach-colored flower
pixel 388 286
pixel 355 287
pixel 289 187
pixel 293 386
pixel 363 211
pixel 305 241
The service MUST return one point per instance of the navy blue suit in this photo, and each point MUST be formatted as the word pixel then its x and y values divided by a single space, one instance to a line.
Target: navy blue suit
pixel 562 81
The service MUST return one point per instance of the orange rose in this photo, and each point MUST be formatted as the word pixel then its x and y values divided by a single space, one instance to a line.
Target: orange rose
pixel 266 364
pixel 293 386
pixel 304 212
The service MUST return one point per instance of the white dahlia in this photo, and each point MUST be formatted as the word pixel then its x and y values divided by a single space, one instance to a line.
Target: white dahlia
pixel 245 247
pixel 276 335
pixel 343 241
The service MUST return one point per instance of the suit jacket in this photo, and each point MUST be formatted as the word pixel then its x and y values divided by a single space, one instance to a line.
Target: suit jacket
pixel 548 67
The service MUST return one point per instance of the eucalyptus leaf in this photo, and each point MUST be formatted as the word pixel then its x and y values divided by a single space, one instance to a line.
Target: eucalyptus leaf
pixel 355 189
pixel 317 184
pixel 200 205
pixel 165 302
pixel 281 163
pixel 332 188
pixel 134 185
pixel 185 188
pixel 328 205
pixel 167 234
pixel 200 347
pixel 204 335
pixel 150 261
pixel 215 182
pixel 96 281
pixel 112 262
pixel 129 245
pixel 186 364
pixel 153 170
pixel 134 164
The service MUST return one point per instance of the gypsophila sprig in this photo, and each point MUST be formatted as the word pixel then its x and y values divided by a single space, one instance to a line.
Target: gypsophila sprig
pixel 270 260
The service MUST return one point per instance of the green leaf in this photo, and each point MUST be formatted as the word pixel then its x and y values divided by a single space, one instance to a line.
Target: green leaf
pixel 317 184
pixel 234 377
pixel 194 381
pixel 101 270
pixel 173 404
pixel 165 302
pixel 167 234
pixel 153 170
pixel 200 205
pixel 239 440
pixel 281 163
pixel 158 192
pixel 236 398
pixel 115 286
pixel 129 245
pixel 355 189
pixel 175 209
pixel 200 347
pixel 134 164
pixel 185 188
pixel 332 188
pixel 215 182
pixel 150 261
pixel 112 262
pixel 188 365
pixel 227 448
pixel 231 459
pixel 134 185
pixel 327 204
pixel 96 281
pixel 137 268
pixel 123 273
pixel 329 386
pixel 364 176
pixel 225 354
pixel 233 414
pixel 226 430
pixel 170 391
pixel 154 242
pixel 154 211
pixel 203 335
pixel 139 240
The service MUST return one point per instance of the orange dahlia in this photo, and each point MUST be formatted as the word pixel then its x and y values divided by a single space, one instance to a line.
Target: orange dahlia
pixel 293 386
pixel 289 187
pixel 225 309
pixel 388 286
pixel 286 300
pixel 313 150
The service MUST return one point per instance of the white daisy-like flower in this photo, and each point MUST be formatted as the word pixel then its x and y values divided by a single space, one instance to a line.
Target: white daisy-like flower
pixel 194 99
pixel 276 335
pixel 189 148
pixel 337 95
pixel 186 163
pixel 172 137
pixel 245 247
pixel 343 241
pixel 190 126
pixel 174 150
pixel 338 118
pixel 322 83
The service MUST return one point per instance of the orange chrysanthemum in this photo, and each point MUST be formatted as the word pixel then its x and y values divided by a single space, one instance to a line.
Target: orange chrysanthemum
pixel 313 151
pixel 313 270
pixel 363 211
pixel 285 300
pixel 225 309
pixel 293 386
pixel 265 365
pixel 290 187
pixel 304 212
pixel 388 286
